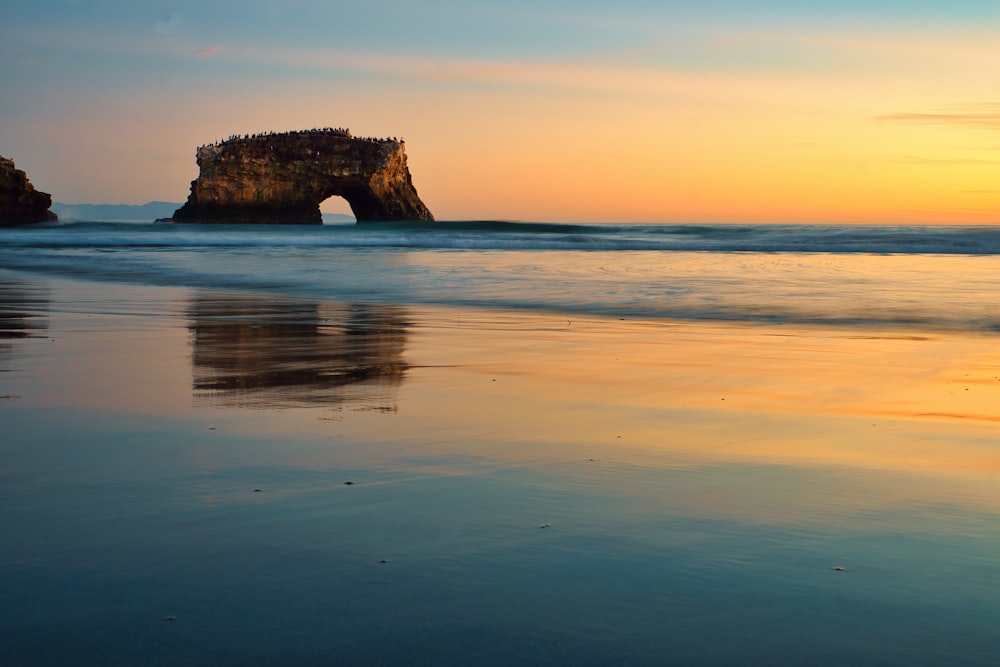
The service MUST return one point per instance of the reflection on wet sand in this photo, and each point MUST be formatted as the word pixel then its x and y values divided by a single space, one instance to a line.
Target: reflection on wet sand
pixel 23 313
pixel 258 352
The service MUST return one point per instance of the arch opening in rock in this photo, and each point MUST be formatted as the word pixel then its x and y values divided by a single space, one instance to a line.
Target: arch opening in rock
pixel 336 209
pixel 283 178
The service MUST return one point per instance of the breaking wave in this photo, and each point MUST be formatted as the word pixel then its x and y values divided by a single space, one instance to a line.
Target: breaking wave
pixel 917 278
pixel 499 235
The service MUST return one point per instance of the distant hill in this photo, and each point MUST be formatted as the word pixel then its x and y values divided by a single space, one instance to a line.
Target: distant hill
pixel 337 218
pixel 114 212
pixel 154 210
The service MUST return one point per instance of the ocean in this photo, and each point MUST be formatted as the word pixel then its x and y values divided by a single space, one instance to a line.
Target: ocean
pixel 906 277
pixel 499 443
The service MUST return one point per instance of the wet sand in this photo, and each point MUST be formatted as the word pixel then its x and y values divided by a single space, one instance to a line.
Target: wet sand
pixel 525 488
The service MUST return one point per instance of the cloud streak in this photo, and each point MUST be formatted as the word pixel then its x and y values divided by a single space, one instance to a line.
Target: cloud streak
pixel 210 51
pixel 919 160
pixel 976 115
pixel 169 27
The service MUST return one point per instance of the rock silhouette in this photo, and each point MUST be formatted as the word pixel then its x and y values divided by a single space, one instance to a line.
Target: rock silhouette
pixel 20 202
pixel 283 177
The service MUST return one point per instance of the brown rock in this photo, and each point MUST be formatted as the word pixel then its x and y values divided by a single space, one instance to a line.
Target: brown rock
pixel 20 202
pixel 283 178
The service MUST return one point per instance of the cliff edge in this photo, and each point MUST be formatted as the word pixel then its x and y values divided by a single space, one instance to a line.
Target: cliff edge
pixel 20 202
pixel 283 177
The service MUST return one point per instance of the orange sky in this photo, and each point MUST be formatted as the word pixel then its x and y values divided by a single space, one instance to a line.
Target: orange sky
pixel 840 116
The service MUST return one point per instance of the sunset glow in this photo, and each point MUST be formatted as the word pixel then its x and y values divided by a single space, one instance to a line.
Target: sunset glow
pixel 665 113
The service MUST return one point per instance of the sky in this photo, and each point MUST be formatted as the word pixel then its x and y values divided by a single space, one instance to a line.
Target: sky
pixel 627 111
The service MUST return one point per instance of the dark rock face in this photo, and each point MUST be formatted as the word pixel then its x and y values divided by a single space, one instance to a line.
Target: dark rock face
pixel 283 178
pixel 20 202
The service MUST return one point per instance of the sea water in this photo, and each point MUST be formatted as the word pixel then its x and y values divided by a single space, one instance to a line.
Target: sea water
pixel 499 443
pixel 918 277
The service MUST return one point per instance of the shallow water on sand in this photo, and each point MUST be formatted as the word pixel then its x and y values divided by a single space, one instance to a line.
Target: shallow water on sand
pixel 526 488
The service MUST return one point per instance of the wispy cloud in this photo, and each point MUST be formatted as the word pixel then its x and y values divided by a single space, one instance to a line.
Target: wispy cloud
pixel 169 26
pixel 580 74
pixel 210 51
pixel 919 160
pixel 978 115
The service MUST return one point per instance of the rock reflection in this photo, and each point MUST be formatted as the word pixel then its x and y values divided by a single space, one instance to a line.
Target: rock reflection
pixel 23 312
pixel 257 352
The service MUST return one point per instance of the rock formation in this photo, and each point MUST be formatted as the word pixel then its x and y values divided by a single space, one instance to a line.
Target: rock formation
pixel 20 202
pixel 283 178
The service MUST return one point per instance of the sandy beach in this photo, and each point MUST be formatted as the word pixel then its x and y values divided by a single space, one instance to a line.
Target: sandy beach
pixel 211 478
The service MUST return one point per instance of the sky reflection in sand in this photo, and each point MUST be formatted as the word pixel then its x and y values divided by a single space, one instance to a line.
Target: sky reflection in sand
pixel 530 383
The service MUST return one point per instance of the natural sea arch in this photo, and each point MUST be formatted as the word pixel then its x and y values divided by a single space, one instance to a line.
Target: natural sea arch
pixel 284 178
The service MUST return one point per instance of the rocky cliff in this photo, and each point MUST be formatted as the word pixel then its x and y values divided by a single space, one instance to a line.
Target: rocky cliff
pixel 283 178
pixel 20 202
